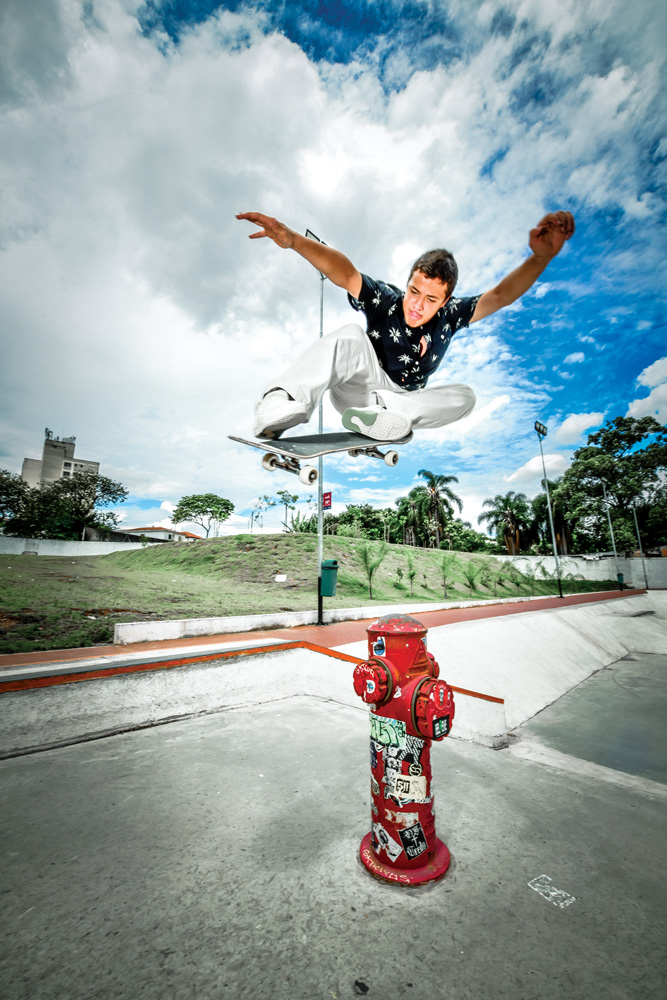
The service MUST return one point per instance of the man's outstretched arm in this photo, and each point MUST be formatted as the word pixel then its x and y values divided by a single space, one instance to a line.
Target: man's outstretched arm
pixel 333 264
pixel 546 241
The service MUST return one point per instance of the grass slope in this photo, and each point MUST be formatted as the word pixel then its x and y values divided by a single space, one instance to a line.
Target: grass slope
pixel 53 602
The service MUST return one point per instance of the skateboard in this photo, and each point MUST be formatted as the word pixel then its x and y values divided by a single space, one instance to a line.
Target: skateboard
pixel 289 452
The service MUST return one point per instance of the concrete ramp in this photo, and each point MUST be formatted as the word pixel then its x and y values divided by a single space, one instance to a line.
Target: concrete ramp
pixel 530 660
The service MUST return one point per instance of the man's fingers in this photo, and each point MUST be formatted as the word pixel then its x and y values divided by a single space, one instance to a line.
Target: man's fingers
pixel 257 236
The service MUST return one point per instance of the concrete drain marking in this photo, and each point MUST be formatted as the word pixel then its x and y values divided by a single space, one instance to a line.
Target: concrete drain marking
pixel 542 885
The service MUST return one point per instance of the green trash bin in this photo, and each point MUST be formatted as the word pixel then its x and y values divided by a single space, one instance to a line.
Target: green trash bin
pixel 329 577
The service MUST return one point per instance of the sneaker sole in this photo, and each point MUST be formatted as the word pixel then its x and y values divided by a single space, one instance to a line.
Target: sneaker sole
pixel 387 425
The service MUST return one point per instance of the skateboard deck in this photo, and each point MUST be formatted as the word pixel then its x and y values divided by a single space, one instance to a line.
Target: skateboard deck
pixel 289 452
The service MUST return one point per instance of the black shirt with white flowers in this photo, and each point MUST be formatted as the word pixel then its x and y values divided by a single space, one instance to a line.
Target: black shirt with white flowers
pixel 397 345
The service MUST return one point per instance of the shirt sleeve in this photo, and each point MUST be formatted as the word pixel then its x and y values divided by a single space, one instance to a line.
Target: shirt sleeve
pixel 375 298
pixel 459 312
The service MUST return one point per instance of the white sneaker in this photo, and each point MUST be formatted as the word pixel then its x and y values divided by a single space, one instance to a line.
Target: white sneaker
pixel 376 422
pixel 276 412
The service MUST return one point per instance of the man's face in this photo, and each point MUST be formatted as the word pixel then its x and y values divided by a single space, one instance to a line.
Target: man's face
pixel 423 297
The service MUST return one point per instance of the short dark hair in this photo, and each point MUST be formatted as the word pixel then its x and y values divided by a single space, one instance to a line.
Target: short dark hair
pixel 438 264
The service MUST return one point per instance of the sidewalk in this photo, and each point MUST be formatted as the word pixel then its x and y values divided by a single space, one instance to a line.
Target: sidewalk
pixel 326 636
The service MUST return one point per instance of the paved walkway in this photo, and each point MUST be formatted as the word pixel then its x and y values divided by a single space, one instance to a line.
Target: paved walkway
pixel 328 636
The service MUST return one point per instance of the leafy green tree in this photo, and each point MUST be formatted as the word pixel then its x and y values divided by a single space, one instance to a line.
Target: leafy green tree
pixel 371 559
pixel 13 491
pixel 409 516
pixel 447 565
pixel 462 537
pixel 289 501
pixel 202 509
pixel 61 509
pixel 509 517
pixel 627 458
pixel 412 572
pixel 436 501
pixel 540 529
pixel 470 571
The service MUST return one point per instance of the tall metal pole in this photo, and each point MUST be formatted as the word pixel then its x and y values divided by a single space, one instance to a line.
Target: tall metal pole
pixel 641 551
pixel 542 432
pixel 611 530
pixel 320 485
pixel 320 465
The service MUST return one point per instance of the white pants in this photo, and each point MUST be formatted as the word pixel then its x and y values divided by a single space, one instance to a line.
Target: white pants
pixel 345 363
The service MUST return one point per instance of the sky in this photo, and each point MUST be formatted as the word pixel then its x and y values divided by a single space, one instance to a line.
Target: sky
pixel 137 315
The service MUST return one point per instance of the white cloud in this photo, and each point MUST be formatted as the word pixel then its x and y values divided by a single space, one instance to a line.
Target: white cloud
pixel 574 426
pixel 155 322
pixel 574 359
pixel 554 462
pixel 655 374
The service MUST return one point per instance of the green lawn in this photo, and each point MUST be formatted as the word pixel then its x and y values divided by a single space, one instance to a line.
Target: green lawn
pixel 49 602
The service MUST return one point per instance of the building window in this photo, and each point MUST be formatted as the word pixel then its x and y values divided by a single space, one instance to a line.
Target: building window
pixel 68 465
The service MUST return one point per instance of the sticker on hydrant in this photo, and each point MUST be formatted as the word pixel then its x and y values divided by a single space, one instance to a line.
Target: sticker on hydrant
pixel 387 843
pixel 407 786
pixel 414 840
pixel 388 732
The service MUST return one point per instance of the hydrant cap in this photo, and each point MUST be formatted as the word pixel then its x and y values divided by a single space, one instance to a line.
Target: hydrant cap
pixel 392 624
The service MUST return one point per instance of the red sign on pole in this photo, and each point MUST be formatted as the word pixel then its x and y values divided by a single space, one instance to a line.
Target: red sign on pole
pixel 326 501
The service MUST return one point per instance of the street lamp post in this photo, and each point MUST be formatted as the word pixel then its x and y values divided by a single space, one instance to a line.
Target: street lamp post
pixel 320 487
pixel 607 504
pixel 541 431
pixel 641 551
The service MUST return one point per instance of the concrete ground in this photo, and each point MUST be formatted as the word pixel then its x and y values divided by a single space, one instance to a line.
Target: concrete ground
pixel 217 858
pixel 616 718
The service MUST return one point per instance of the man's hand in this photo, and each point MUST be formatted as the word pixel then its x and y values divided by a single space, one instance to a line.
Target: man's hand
pixel 333 264
pixel 546 240
pixel 548 236
pixel 281 235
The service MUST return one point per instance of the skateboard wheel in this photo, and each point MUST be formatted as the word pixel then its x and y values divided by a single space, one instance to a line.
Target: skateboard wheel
pixel 308 475
pixel 353 452
pixel 270 462
pixel 391 458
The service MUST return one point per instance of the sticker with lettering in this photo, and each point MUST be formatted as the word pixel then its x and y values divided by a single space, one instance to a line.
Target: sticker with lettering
pixel 388 732
pixel 387 843
pixel 375 788
pixel 408 787
pixel 413 840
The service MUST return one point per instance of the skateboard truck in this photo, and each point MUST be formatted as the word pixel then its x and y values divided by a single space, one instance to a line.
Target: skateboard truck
pixel 288 453
pixel 307 474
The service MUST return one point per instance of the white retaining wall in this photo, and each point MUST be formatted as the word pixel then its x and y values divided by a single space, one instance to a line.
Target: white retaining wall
pixel 599 568
pixel 55 547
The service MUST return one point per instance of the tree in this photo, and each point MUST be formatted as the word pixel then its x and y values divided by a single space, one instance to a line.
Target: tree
pixel 540 529
pixel 61 509
pixel 436 501
pixel 461 536
pixel 289 501
pixel 202 509
pixel 508 516
pixel 371 560
pixel 633 476
pixel 446 570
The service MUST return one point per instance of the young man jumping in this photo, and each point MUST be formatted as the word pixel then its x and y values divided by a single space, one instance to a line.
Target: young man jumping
pixel 377 378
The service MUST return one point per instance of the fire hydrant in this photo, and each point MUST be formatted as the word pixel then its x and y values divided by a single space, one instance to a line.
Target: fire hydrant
pixel 409 707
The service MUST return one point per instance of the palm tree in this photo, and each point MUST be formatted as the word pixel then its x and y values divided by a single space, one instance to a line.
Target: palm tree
pixel 436 501
pixel 408 512
pixel 508 516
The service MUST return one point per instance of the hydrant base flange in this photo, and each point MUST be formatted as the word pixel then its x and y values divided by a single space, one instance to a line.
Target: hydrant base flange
pixel 433 870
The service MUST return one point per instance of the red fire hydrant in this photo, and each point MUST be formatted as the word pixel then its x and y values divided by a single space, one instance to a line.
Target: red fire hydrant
pixel 409 707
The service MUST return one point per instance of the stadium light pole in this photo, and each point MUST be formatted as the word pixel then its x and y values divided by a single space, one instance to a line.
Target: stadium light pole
pixel 607 504
pixel 541 432
pixel 641 551
pixel 320 466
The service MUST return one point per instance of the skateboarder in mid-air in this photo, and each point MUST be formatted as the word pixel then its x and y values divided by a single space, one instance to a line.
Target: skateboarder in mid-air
pixel 377 378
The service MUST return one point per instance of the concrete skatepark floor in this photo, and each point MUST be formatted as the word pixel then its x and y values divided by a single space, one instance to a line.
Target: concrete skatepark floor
pixel 615 718
pixel 217 858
